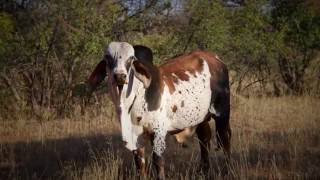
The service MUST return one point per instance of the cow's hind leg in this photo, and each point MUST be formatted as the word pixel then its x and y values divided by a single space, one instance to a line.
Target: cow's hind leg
pixel 158 163
pixel 139 159
pixel 221 115
pixel 204 134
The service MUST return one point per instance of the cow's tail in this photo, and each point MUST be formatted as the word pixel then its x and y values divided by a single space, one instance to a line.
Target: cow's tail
pixel 220 110
pixel 222 121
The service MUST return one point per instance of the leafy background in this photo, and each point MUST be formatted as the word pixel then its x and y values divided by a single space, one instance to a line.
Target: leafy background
pixel 49 48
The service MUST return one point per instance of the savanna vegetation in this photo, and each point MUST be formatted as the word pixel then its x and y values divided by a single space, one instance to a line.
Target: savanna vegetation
pixel 53 127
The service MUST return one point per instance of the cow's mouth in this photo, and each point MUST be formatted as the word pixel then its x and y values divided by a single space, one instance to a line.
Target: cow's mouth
pixel 120 87
pixel 121 82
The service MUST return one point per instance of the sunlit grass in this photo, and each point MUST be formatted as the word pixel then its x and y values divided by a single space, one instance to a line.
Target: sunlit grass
pixel 273 138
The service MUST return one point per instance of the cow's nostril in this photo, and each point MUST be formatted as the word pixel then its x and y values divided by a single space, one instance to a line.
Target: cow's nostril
pixel 121 78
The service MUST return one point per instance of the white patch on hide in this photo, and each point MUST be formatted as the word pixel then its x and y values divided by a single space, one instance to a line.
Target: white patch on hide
pixel 143 160
pixel 194 95
pixel 130 132
pixel 214 111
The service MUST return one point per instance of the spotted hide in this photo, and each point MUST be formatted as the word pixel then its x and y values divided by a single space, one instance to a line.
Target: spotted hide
pixel 178 97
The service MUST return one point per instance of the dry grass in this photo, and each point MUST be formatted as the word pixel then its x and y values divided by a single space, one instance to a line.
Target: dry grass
pixel 273 138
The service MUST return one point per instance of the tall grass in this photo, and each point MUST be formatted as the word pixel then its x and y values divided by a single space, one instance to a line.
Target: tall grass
pixel 273 138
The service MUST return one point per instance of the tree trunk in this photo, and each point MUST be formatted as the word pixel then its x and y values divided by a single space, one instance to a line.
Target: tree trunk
pixel 292 72
pixel 13 89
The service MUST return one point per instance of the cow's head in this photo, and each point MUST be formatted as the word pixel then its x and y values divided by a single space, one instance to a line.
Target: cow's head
pixel 116 62
pixel 105 67
pixel 120 56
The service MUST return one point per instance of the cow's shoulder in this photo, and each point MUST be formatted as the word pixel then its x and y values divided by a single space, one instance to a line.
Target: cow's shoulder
pixel 182 67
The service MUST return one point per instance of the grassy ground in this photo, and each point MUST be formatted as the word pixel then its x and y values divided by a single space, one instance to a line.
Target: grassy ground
pixel 273 138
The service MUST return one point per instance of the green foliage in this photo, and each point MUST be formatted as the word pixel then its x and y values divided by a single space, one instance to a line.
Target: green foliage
pixel 243 37
pixel 161 44
pixel 208 27
pixel 238 35
pixel 300 26
pixel 48 48
pixel 52 49
pixel 253 42
pixel 6 36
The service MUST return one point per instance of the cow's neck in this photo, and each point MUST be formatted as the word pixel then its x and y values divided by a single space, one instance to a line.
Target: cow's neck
pixel 152 95
pixel 128 96
pixel 130 91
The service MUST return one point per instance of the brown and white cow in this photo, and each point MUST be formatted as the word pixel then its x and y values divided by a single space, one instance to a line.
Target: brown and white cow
pixel 178 97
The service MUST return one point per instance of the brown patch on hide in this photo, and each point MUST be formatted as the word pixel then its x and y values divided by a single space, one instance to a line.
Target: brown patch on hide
pixel 139 118
pixel 174 108
pixel 178 69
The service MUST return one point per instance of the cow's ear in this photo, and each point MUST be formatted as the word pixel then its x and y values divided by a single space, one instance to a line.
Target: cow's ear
pixel 142 73
pixel 143 53
pixel 97 76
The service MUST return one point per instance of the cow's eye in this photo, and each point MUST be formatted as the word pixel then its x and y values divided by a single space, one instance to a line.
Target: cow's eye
pixel 128 64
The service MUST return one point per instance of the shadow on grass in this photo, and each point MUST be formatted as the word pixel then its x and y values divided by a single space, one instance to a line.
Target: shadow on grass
pixel 43 160
pixel 52 159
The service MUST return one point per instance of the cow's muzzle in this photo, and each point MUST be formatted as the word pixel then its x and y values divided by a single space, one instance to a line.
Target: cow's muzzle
pixel 121 79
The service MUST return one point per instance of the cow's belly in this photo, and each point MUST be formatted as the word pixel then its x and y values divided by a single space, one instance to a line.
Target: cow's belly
pixel 183 109
pixel 190 103
pixel 187 112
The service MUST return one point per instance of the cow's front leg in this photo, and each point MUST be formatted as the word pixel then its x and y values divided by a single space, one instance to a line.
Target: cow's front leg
pixel 158 162
pixel 139 160
pixel 159 146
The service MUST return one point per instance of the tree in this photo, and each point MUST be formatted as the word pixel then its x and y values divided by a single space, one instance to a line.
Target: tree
pixel 53 44
pixel 300 26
